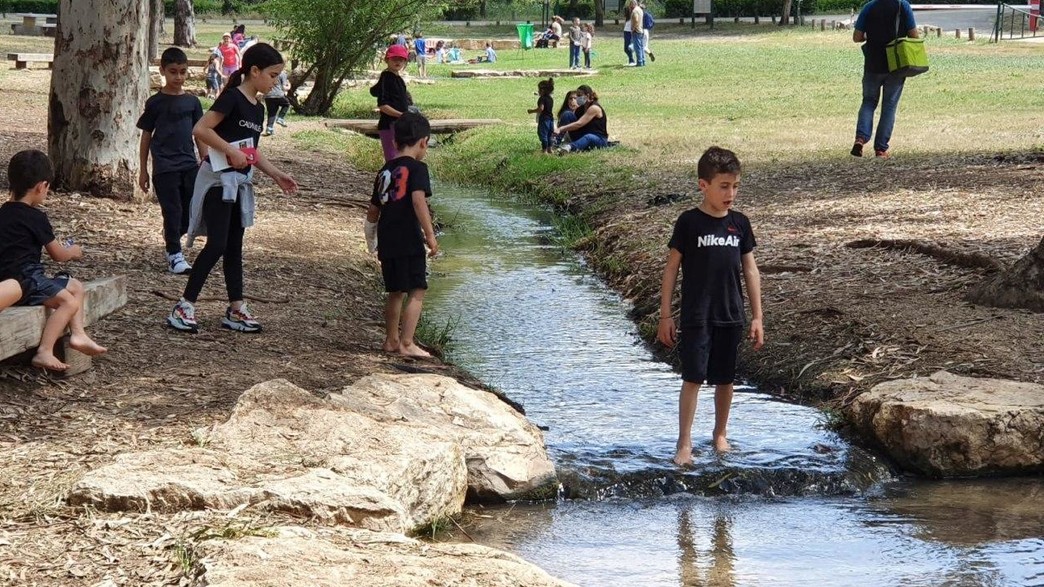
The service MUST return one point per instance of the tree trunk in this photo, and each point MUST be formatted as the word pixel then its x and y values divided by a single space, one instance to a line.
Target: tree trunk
pixel 98 86
pixel 321 97
pixel 785 17
pixel 184 24
pixel 482 8
pixel 227 7
pixel 155 27
pixel 1021 286
pixel 599 7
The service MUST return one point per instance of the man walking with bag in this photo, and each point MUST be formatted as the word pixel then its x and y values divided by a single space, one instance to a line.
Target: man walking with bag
pixel 878 24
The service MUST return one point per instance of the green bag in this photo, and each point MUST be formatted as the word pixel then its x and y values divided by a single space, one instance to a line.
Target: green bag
pixel 907 56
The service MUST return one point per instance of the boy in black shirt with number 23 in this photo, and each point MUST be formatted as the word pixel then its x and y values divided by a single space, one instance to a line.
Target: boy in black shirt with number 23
pixel 398 225
pixel 713 246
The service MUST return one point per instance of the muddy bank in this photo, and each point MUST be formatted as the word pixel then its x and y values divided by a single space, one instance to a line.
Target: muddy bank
pixel 848 301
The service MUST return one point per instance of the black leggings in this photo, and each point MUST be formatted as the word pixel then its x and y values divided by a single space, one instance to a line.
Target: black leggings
pixel 224 241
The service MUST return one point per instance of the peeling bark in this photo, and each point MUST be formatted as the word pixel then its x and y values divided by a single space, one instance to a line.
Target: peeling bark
pixel 99 84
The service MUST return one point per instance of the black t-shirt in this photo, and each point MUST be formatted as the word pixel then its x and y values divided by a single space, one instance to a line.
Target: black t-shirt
pixel 549 106
pixel 390 89
pixel 242 119
pixel 24 230
pixel 712 272
pixel 170 120
pixel 399 232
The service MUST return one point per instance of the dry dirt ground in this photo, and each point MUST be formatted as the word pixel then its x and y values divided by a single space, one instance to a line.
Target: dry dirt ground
pixel 155 386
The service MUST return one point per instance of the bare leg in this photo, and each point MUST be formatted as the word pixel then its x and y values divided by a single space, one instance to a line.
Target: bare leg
pixel 686 413
pixel 410 317
pixel 78 339
pixel 392 311
pixel 722 405
pixel 10 293
pixel 64 307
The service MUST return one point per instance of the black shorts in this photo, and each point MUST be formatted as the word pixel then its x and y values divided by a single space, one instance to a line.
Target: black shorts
pixel 37 288
pixel 708 353
pixel 404 274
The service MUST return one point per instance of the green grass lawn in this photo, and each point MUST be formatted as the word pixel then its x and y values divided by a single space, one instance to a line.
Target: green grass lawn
pixel 772 95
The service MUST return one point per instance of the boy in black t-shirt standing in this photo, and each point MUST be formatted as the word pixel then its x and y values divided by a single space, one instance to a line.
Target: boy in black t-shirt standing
pixel 398 225
pixel 713 246
pixel 166 133
pixel 26 230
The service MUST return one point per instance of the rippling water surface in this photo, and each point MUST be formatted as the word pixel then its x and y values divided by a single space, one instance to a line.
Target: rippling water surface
pixel 792 504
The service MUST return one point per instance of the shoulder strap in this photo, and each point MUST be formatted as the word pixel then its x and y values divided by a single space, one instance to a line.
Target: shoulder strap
pixel 898 14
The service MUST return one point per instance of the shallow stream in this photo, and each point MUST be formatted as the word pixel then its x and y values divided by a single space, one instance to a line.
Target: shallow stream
pixel 793 504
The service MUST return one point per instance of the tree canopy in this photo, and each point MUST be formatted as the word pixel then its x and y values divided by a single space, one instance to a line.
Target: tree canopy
pixel 336 38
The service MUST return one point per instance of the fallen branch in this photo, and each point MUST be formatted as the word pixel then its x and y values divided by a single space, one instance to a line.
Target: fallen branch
pixel 970 323
pixel 251 298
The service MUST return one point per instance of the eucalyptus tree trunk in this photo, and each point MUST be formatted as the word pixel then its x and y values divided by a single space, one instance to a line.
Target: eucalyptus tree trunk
pixel 1021 286
pixel 99 84
pixel 184 24
pixel 155 27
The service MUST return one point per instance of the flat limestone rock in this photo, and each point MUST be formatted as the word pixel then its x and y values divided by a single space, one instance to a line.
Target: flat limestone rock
pixel 946 425
pixel 505 453
pixel 298 556
pixel 285 449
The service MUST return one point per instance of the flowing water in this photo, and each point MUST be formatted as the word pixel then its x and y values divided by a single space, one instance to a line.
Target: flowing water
pixel 793 504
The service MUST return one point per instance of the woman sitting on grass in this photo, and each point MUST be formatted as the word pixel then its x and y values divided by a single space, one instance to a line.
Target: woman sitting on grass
pixel 566 115
pixel 589 131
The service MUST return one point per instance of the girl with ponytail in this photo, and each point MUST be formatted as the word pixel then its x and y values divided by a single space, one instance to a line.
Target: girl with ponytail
pixel 223 199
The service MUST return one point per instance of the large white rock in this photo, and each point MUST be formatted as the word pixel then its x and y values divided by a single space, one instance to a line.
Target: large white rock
pixel 505 453
pixel 297 556
pixel 286 450
pixel 947 425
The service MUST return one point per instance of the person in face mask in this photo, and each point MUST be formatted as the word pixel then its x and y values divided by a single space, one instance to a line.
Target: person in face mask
pixel 589 130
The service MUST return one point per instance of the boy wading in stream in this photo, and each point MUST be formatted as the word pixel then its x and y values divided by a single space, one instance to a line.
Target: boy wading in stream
pixel 398 225
pixel 713 246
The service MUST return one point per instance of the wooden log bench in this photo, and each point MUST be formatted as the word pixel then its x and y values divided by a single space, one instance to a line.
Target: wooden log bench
pixel 368 126
pixel 22 326
pixel 22 60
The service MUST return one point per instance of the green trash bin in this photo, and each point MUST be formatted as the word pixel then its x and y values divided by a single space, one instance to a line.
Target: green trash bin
pixel 525 35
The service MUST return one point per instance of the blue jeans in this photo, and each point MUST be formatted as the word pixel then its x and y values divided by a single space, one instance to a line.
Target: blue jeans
pixel 639 48
pixel 627 46
pixel 545 127
pixel 588 142
pixel 874 84
pixel 574 55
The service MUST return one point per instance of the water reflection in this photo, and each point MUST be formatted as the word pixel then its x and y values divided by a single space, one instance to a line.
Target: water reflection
pixel 719 554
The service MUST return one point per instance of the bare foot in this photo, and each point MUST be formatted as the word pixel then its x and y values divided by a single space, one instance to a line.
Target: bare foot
pixel 85 345
pixel 721 445
pixel 390 347
pixel 45 360
pixel 683 456
pixel 412 350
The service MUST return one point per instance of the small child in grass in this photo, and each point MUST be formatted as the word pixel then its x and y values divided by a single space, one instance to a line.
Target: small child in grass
pixel 544 111
pixel 26 230
pixel 398 225
pixel 713 245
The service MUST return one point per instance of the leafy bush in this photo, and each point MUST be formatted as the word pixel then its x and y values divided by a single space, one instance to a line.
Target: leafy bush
pixel 35 6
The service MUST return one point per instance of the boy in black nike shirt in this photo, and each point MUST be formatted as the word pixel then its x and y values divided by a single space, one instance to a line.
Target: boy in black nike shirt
pixel 714 246
pixel 398 225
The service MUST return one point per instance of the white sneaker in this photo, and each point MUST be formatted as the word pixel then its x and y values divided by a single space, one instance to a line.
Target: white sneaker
pixel 183 317
pixel 177 264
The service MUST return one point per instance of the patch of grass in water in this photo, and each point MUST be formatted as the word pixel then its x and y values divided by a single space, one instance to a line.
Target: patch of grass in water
pixel 436 335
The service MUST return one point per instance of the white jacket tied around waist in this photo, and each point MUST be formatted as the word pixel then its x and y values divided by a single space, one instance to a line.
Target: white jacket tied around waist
pixel 233 185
